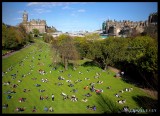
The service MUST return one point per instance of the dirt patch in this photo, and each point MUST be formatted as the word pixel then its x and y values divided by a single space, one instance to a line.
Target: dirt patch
pixel 114 69
pixel 153 94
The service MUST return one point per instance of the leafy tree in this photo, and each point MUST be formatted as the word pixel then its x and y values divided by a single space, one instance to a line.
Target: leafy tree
pixel 35 32
pixel 10 41
pixel 66 48
pixel 24 34
pixel 47 38
pixel 4 35
pixel 82 45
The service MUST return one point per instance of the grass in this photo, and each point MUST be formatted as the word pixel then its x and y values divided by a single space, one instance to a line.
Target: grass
pixel 107 100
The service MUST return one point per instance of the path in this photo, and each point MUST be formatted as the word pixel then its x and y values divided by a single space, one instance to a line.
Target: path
pixel 10 54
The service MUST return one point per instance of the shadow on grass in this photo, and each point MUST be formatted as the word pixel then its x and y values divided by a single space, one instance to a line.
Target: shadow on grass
pixel 90 63
pixel 107 105
pixel 146 102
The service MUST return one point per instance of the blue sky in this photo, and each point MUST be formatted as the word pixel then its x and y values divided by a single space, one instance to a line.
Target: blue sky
pixel 77 16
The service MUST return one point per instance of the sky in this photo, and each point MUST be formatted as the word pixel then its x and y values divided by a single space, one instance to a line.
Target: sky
pixel 77 16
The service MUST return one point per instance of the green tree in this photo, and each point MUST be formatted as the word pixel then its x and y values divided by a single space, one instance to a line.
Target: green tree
pixel 23 32
pixel 66 48
pixel 35 32
pixel 10 40
pixel 47 38
pixel 4 35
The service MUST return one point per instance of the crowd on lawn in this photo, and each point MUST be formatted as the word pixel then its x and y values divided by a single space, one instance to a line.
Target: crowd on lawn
pixel 88 89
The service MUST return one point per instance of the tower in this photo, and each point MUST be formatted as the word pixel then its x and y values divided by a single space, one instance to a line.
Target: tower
pixel 25 16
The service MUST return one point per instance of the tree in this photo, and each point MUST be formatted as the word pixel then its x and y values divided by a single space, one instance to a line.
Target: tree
pixel 4 35
pixel 47 38
pixel 23 31
pixel 10 40
pixel 66 48
pixel 35 32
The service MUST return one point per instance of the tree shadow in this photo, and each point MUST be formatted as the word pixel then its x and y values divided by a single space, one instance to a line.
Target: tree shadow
pixel 107 105
pixel 146 102
pixel 90 63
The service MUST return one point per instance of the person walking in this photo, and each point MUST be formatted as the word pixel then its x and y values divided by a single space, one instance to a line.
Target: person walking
pixel 52 97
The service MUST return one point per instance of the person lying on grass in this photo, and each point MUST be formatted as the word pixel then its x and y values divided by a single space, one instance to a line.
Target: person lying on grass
pixel 34 109
pixel 9 92
pixel 45 109
pixel 73 98
pixel 88 95
pixel 22 99
pixel 51 109
pixel 9 97
pixel 91 107
pixel 18 109
pixel 86 87
pixel 37 85
pixel 5 106
pixel 84 100
pixel 26 90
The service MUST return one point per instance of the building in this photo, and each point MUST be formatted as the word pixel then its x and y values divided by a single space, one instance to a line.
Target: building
pixel 125 27
pixel 33 24
pixel 114 28
pixel 153 18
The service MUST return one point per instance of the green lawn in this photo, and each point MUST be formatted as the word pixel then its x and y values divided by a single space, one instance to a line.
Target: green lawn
pixel 60 105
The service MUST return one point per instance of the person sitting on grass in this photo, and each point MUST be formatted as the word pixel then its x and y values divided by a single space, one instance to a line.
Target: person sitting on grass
pixel 5 106
pixel 88 95
pixel 18 109
pixel 41 90
pixel 34 109
pixel 51 109
pixel 99 82
pixel 89 107
pixel 97 91
pixel 109 87
pixel 22 99
pixel 41 97
pixel 71 85
pixel 37 85
pixel 92 88
pixel 117 95
pixel 84 100
pixel 94 108
pixel 74 90
pixel 9 97
pixel 65 97
pixel 45 109
pixel 86 87
pixel 73 98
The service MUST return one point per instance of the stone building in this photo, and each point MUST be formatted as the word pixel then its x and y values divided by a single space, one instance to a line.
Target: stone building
pixel 153 18
pixel 34 24
pixel 114 28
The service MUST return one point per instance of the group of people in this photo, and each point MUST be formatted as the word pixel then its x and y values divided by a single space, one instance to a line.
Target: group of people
pixel 46 109
pixel 72 98
pixel 91 107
